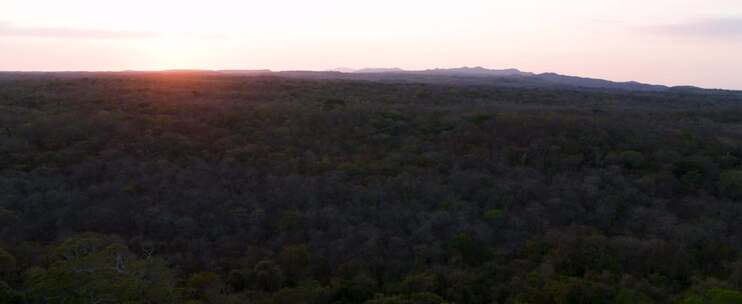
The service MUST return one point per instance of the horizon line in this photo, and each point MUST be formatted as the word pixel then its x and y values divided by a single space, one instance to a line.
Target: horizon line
pixel 353 71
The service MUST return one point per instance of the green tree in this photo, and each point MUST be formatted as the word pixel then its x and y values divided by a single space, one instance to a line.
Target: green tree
pixel 417 298
pixel 420 282
pixel 632 159
pixel 356 290
pixel 291 220
pixel 473 252
pixel 268 276
pixel 715 296
pixel 493 214
pixel 295 259
pixel 725 296
pixel 577 291
pixel 730 183
pixel 630 296
pixel 8 295
pixel 7 263
pixel 96 269
pixel 311 292
pixel 205 286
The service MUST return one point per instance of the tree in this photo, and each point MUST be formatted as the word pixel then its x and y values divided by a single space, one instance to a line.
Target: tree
pixel 356 290
pixel 472 251
pixel 295 259
pixel 629 296
pixel 730 184
pixel 96 269
pixel 715 296
pixel 579 291
pixel 632 159
pixel 205 286
pixel 725 296
pixel 416 298
pixel 7 263
pixel 8 295
pixel 268 276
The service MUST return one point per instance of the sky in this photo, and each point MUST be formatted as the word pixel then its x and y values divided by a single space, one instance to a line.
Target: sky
pixel 672 42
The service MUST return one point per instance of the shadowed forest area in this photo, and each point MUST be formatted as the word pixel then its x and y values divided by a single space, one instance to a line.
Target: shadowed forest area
pixel 203 188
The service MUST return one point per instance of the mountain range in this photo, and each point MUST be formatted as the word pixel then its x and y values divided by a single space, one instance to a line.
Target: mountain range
pixel 517 77
pixel 481 76
pixel 452 76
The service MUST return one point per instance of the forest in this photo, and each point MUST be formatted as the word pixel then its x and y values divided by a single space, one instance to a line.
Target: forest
pixel 199 188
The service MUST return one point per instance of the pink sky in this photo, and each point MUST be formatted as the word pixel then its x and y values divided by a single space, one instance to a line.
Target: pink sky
pixel 674 42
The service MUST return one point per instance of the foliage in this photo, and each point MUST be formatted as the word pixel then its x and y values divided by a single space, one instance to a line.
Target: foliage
pixel 632 159
pixel 731 184
pixel 7 262
pixel 204 188
pixel 95 269
pixel 417 298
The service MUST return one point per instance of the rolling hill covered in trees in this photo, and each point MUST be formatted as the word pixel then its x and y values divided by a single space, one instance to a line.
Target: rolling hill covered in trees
pixel 192 187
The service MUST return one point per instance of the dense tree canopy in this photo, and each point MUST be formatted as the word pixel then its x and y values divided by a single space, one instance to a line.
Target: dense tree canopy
pixel 198 188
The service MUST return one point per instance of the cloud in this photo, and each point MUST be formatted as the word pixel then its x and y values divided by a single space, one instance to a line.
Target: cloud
pixel 7 29
pixel 730 27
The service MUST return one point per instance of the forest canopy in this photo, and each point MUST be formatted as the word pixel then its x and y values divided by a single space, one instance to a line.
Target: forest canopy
pixel 199 188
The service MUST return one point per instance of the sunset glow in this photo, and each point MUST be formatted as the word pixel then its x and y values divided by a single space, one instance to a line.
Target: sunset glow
pixel 667 42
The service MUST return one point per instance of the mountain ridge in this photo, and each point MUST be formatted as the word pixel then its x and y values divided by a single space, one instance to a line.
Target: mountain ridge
pixel 547 78
pixel 510 77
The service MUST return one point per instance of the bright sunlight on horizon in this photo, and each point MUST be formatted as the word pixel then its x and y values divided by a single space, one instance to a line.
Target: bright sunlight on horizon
pixel 678 42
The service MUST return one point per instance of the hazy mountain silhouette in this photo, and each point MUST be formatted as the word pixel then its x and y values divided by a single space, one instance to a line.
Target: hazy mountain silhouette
pixel 453 76
pixel 245 72
pixel 342 70
pixel 507 77
pixel 462 71
pixel 557 79
pixel 476 76
pixel 380 70
pixel 478 71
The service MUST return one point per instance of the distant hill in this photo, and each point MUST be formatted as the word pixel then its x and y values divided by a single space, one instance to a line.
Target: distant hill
pixel 557 79
pixel 380 70
pixel 244 72
pixel 479 71
pixel 343 70
pixel 478 76
pixel 475 71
